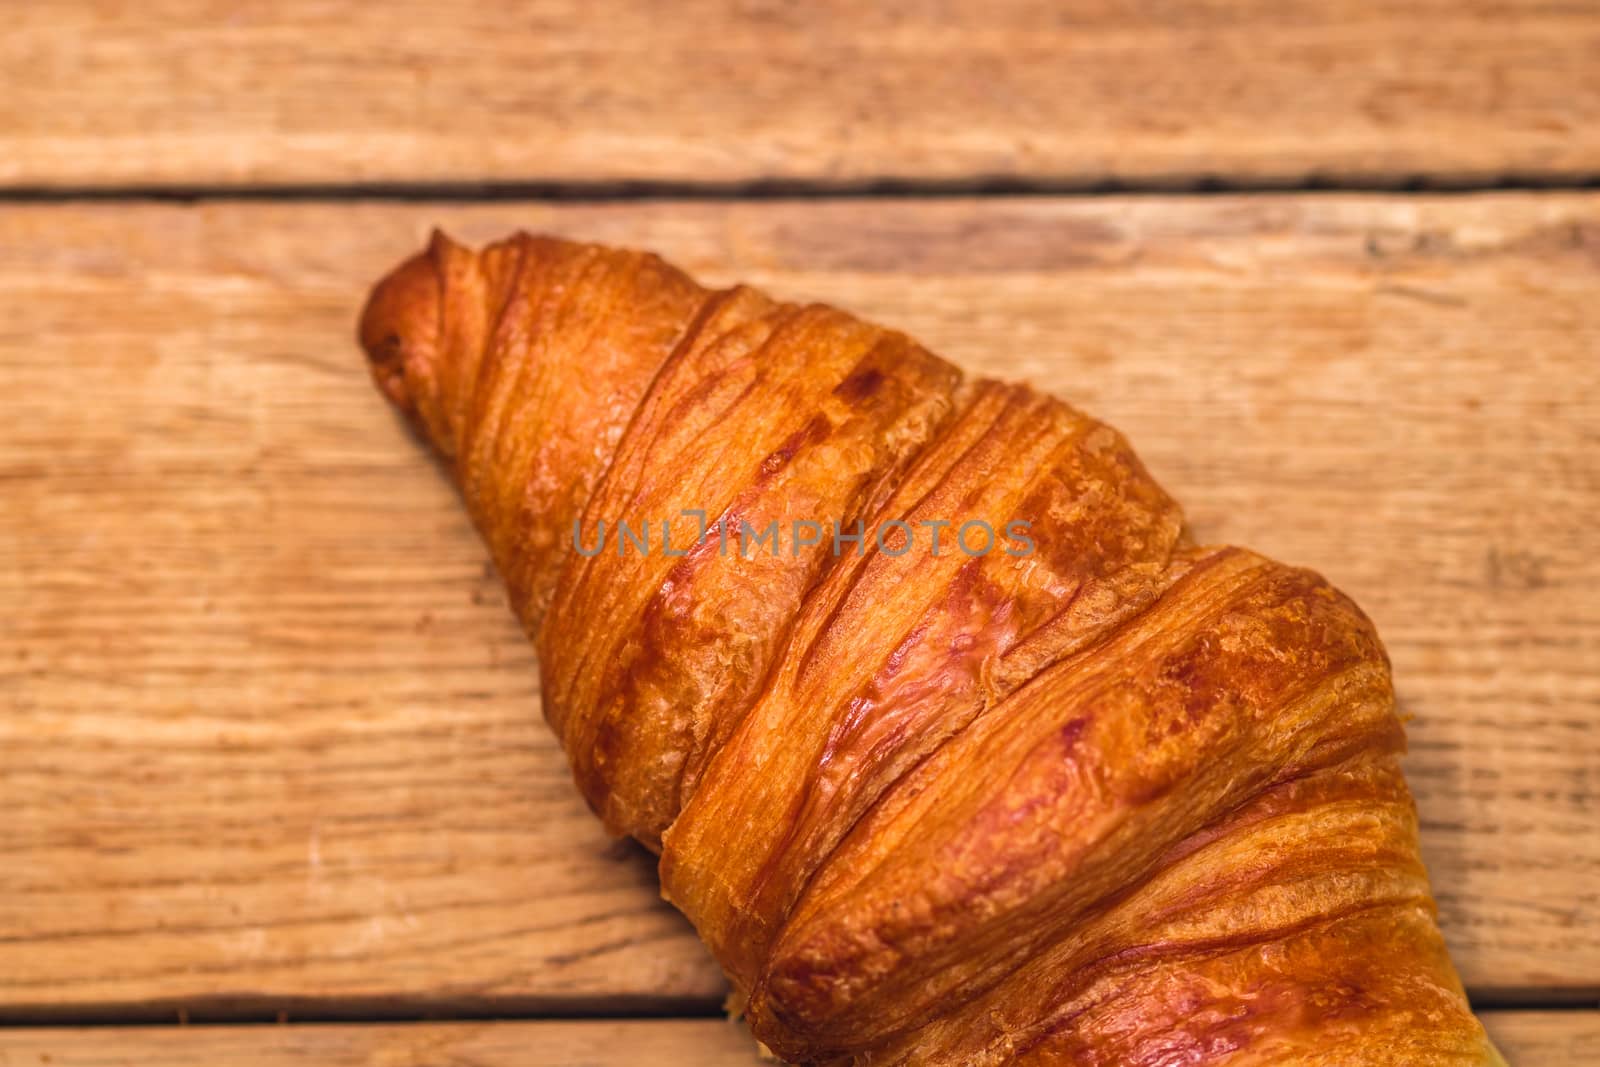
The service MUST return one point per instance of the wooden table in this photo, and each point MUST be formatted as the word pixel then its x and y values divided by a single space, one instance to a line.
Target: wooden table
pixel 271 751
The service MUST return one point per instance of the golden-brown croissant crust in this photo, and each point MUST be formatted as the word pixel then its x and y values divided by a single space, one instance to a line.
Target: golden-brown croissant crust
pixel 1094 795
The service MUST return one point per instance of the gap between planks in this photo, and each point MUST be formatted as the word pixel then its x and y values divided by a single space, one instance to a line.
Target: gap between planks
pixel 1186 185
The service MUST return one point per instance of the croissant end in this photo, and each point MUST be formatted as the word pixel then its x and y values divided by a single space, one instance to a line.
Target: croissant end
pixel 400 325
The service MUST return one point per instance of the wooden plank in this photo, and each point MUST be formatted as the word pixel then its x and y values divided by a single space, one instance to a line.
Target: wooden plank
pixel 1540 1038
pixel 196 91
pixel 272 737
pixel 597 1043
pixel 1528 1039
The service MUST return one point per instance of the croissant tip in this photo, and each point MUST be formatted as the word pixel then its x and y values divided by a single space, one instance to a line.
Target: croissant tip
pixel 439 242
pixel 399 325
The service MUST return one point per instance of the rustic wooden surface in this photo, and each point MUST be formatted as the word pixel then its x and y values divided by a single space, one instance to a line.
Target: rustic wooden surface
pixel 1529 1039
pixel 701 1042
pixel 199 91
pixel 272 738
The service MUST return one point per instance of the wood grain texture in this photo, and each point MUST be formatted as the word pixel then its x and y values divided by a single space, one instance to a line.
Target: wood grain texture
pixel 1528 1039
pixel 1538 1038
pixel 272 737
pixel 669 1043
pixel 197 91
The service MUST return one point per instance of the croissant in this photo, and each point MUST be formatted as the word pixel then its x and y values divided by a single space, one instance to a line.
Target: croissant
pixel 1067 788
